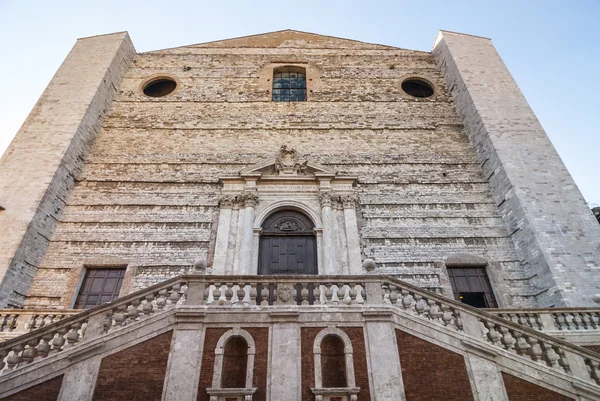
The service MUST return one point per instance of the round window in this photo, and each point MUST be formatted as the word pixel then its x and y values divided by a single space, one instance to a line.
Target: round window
pixel 417 87
pixel 160 87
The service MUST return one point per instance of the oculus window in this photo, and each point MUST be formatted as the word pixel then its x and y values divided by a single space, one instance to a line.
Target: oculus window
pixel 289 84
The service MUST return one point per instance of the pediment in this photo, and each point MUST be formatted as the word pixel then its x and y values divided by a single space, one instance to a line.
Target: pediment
pixel 287 164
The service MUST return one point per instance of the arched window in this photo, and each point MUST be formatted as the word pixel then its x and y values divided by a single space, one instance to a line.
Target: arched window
pixel 234 366
pixel 334 365
pixel 289 84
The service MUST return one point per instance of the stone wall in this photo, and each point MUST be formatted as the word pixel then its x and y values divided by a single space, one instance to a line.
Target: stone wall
pixel 42 164
pixel 148 194
pixel 556 236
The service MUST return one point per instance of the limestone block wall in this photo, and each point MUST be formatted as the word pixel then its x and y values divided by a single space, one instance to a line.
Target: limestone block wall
pixel 40 167
pixel 148 194
pixel 554 231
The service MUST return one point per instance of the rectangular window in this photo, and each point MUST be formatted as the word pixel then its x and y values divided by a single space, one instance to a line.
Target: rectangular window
pixel 99 286
pixel 471 286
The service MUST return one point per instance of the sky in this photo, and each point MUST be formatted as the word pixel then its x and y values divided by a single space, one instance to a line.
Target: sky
pixel 551 47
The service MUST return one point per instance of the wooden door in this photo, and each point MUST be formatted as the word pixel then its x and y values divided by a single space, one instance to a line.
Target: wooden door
pixel 287 245
pixel 471 286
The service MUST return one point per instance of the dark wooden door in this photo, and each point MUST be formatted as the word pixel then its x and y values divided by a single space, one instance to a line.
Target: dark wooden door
pixel 287 245
pixel 472 286
pixel 99 286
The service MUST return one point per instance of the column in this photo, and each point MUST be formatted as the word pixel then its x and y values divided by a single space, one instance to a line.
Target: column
pixel 383 357
pixel 285 357
pixel 329 251
pixel 247 233
pixel 222 241
pixel 79 381
pixel 352 239
pixel 183 372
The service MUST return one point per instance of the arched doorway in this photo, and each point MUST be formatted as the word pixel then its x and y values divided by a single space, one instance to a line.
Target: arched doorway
pixel 287 244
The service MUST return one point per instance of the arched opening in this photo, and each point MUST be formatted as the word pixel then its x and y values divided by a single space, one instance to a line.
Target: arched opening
pixel 289 84
pixel 333 362
pixel 287 244
pixel 235 360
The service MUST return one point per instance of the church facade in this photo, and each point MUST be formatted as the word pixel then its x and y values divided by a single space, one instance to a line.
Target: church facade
pixel 292 216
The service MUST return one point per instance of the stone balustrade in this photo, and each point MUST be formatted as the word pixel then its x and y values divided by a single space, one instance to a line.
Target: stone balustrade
pixel 516 334
pixel 14 322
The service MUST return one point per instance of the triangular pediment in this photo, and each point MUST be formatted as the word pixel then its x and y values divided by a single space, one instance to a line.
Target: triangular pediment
pixel 288 38
pixel 287 164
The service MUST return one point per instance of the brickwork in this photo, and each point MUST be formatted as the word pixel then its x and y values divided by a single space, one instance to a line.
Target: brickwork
pixel 430 372
pixel 148 194
pixel 41 165
pixel 595 348
pixel 211 337
pixel 46 391
pixel 522 390
pixel 361 372
pixel 135 373
pixel 553 229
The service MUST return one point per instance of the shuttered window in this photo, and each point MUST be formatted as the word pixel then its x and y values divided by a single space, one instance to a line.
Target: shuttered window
pixel 471 286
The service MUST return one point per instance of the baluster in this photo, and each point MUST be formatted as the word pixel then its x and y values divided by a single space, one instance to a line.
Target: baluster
pixel 352 293
pixel 386 293
pixel 43 348
pixel 241 294
pixel 406 300
pixel 3 354
pixel 560 320
pixel 121 315
pixel 447 316
pixel 531 321
pixel 457 319
pixel 108 320
pixel 174 294
pixel 253 293
pixel 587 322
pixel 593 369
pixel 420 305
pixel 492 335
pixel 73 336
pixel 507 340
pixel 433 310
pixel 393 294
pixel 535 352
pixel 538 321
pixel 341 294
pixel 59 341
pixel 161 300
pixel 264 294
pixel 562 359
pixel 329 293
pixel 216 294
pixel 317 294
pixel 569 320
pixel 595 319
pixel 30 352
pixel 521 346
pixel 550 356
pixel 148 308
pixel 228 293
pixel 15 358
pixel 577 322
pixel 304 293
pixel 133 311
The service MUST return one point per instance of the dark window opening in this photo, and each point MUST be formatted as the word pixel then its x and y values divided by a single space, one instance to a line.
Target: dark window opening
pixel 475 299
pixel 99 286
pixel 471 286
pixel 333 362
pixel 289 84
pixel 235 361
pixel 417 88
pixel 160 87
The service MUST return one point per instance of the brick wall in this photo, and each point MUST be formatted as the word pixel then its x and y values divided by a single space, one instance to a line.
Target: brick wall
pixel 135 373
pixel 361 372
pixel 46 391
pixel 431 372
pixel 148 193
pixel 522 390
pixel 261 341
pixel 595 348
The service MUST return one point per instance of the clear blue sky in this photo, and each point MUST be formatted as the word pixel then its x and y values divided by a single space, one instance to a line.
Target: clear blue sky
pixel 551 47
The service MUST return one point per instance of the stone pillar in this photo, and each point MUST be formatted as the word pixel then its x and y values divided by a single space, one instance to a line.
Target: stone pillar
pixel 384 359
pixel 554 231
pixel 285 357
pixel 486 379
pixel 38 170
pixel 247 233
pixel 329 251
pixel 222 241
pixel 352 240
pixel 183 371
pixel 79 381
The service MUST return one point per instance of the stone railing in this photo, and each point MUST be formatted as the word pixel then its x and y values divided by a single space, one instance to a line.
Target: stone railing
pixel 254 293
pixel 553 320
pixel 14 322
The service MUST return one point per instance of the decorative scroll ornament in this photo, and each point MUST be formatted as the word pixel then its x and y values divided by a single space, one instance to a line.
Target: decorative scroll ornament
pixel 287 162
pixel 325 200
pixel 250 200
pixel 288 225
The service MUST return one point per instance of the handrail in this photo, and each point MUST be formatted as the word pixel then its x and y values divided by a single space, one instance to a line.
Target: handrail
pixel 303 292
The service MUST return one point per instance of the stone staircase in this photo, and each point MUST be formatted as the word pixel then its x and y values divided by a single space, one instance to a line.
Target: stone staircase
pixel 526 343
